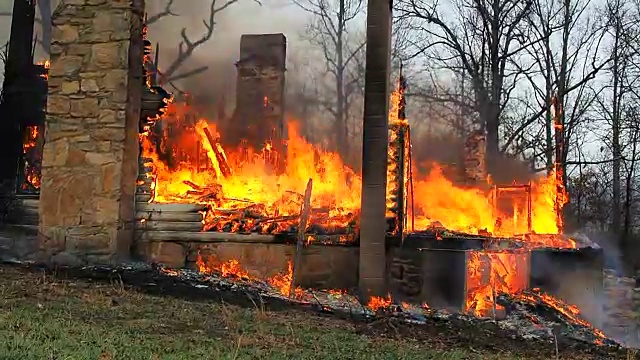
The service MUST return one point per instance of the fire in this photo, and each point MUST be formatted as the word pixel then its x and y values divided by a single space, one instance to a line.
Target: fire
pixel 471 210
pixel 570 311
pixel 32 157
pixel 244 192
pixel 376 302
pixel 46 64
pixel 490 274
pixel 236 179
pixel 232 269
pixel 240 181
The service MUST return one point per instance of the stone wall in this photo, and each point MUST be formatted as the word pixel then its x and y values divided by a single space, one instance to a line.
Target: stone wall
pixel 91 147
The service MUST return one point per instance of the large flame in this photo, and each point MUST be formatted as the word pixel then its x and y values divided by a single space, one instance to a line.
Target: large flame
pixel 251 179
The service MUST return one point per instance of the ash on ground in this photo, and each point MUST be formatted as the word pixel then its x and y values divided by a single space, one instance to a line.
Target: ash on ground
pixel 528 314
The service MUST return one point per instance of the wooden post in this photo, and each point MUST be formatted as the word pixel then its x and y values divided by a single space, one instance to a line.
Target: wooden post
pixel 559 159
pixel 529 209
pixel 302 226
pixel 220 157
pixel 17 99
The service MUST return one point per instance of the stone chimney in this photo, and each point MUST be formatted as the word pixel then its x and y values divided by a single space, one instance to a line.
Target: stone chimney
pixel 475 167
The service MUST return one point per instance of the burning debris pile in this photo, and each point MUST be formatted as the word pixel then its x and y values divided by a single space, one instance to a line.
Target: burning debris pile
pixel 532 313
pixel 242 192
pixel 246 189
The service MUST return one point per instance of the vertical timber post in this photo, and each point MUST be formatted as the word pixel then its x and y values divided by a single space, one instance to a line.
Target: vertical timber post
pixel 18 70
pixel 372 271
pixel 559 159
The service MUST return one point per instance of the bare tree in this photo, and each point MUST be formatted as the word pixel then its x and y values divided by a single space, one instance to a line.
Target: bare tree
pixel 332 32
pixel 481 41
pixel 616 96
pixel 187 46
pixel 45 9
pixel 564 61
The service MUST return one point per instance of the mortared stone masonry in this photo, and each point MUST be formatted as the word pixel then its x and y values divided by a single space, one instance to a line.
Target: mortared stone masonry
pixel 90 159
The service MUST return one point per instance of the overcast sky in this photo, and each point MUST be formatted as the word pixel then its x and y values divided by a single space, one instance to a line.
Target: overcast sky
pixel 245 17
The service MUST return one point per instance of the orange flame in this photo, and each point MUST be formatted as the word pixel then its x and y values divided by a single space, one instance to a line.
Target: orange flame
pixel 570 311
pixel 29 151
pixel 376 302
pixel 251 179
pixel 491 274
pixel 232 268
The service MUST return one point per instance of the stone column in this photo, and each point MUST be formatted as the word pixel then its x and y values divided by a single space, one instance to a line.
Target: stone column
pixel 89 166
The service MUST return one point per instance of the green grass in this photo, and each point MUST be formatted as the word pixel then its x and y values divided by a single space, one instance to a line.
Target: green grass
pixel 45 318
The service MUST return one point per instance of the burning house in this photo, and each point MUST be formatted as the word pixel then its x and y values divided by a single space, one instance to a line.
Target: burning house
pixel 128 171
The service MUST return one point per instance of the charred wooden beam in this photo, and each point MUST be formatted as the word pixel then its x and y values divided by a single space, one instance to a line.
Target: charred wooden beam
pixel 225 169
pixel 24 91
pixel 208 237
pixel 20 54
pixel 172 217
pixel 302 227
pixel 162 225
pixel 170 207
pixel 560 199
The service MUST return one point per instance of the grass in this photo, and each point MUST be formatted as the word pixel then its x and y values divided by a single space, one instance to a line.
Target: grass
pixel 42 317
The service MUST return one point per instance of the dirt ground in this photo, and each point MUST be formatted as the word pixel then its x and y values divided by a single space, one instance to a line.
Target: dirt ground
pixel 57 315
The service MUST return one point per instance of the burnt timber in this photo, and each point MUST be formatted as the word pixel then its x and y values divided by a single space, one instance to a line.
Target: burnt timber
pixel 24 93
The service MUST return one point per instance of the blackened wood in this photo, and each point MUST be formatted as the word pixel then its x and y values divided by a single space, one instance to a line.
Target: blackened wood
pixel 222 160
pixel 208 237
pixel 19 73
pixel 302 227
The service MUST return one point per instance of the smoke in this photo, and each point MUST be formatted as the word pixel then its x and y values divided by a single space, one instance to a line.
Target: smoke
pixel 445 147
pixel 221 52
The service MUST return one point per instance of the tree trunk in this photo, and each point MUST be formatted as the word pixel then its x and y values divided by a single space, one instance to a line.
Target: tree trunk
pixel 615 133
pixel 340 120
pixel 374 150
pixel 340 95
